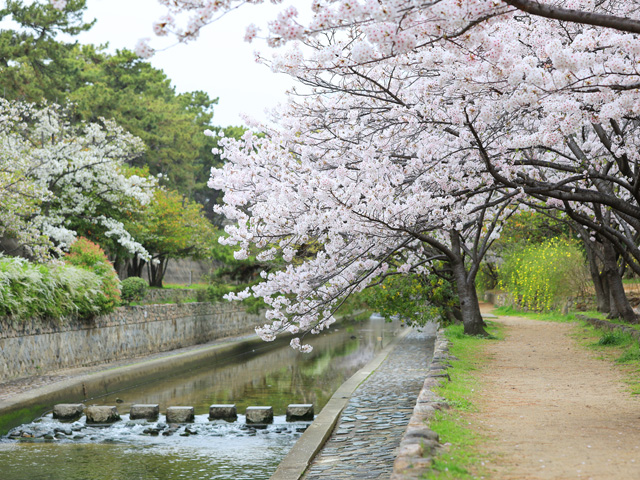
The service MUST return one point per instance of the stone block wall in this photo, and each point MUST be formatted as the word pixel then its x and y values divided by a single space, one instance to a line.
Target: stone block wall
pixel 36 347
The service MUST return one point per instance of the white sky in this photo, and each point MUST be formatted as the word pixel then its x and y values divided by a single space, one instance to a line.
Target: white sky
pixel 218 62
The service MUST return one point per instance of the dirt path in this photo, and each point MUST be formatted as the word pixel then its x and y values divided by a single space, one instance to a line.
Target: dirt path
pixel 553 411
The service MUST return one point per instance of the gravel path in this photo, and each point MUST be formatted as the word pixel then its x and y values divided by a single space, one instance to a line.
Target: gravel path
pixel 370 428
pixel 552 410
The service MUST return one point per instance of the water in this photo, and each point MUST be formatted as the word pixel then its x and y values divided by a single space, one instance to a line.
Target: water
pixel 263 375
pixel 121 452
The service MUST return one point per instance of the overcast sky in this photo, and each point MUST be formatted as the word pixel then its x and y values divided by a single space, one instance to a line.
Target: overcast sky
pixel 218 62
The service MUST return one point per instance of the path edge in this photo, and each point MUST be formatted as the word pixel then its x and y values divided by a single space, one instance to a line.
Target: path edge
pixel 605 325
pixel 295 463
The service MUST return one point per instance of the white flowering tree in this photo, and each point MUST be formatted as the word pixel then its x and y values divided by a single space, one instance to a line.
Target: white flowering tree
pixel 56 178
pixel 420 119
pixel 359 198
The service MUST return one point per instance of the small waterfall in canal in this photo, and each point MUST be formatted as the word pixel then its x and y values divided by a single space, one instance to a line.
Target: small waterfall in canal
pixel 204 449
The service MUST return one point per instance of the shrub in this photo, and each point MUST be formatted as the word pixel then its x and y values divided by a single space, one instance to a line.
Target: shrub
pixel 201 295
pixel 47 290
pixel 538 276
pixel 415 298
pixel 133 289
pixel 89 256
pixel 76 292
pixel 217 291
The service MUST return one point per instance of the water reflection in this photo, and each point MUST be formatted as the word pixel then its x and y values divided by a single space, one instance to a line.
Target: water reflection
pixel 269 376
pixel 219 459
pixel 278 377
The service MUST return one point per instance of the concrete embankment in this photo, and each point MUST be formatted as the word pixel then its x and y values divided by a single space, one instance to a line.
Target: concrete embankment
pixel 36 347
pixel 24 407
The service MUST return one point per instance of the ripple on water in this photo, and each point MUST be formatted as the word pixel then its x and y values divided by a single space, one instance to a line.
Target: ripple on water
pixel 127 450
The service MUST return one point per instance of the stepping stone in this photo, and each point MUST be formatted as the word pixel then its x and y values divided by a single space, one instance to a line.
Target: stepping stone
pixel 300 412
pixel 68 411
pixel 259 415
pixel 180 414
pixel 101 414
pixel 223 412
pixel 147 412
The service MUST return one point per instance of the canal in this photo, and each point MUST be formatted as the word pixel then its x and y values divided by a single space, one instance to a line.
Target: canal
pixel 138 450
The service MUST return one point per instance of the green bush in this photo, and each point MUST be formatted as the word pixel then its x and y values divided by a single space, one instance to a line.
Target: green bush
pixel 415 298
pixel 30 290
pixel 201 295
pixel 217 291
pixel 89 256
pixel 539 276
pixel 133 289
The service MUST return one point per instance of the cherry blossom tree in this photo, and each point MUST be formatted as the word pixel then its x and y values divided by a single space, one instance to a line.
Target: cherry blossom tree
pixel 56 178
pixel 394 20
pixel 416 117
pixel 377 200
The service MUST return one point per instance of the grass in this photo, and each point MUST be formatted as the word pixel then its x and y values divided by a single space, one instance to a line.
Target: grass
pixel 614 338
pixel 616 347
pixel 552 316
pixel 461 460
pixel 547 316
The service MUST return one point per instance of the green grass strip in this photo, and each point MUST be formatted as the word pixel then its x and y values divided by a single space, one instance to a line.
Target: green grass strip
pixel 461 460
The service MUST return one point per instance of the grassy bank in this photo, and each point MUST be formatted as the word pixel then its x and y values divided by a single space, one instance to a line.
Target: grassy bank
pixel 461 460
pixel 553 316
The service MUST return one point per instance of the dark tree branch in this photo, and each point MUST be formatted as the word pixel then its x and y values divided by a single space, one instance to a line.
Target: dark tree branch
pixel 576 16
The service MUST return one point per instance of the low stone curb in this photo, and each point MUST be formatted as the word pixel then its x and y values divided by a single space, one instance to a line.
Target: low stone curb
pixel 419 443
pixel 604 325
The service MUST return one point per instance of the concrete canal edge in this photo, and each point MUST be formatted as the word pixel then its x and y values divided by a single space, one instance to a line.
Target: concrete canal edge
pixel 25 407
pixel 293 466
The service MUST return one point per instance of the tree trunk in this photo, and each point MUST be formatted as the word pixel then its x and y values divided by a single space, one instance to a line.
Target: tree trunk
pixel 469 305
pixel 135 267
pixel 620 307
pixel 456 313
pixel 157 271
pixel 604 301
pixel 599 279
